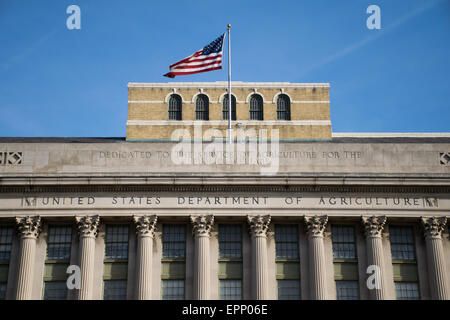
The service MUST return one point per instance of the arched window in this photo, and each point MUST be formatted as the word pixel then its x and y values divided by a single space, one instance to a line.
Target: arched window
pixel 175 105
pixel 256 107
pixel 283 107
pixel 202 107
pixel 225 108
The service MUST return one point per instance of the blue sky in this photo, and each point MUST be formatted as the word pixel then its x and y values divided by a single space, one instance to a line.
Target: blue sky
pixel 73 83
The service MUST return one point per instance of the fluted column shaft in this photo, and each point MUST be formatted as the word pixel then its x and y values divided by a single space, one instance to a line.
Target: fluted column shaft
pixel 88 231
pixel 373 228
pixel 318 285
pixel 258 231
pixel 29 229
pixel 201 225
pixel 87 257
pixel 145 226
pixel 259 245
pixel 436 261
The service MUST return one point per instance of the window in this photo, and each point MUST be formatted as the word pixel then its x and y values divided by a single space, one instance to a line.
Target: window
pixel 175 107
pixel 225 114
pixel 345 262
pixel 230 289
pixel 230 241
pixel 347 290
pixel 115 290
pixel 116 242
pixel 256 107
pixel 283 107
pixel 115 266
pixel 202 107
pixel 6 234
pixel 2 290
pixel 286 241
pixel 405 272
pixel 174 241
pixel 287 263
pixel 55 290
pixel 402 243
pixel 59 242
pixel 343 238
pixel 288 289
pixel 230 261
pixel 407 290
pixel 172 289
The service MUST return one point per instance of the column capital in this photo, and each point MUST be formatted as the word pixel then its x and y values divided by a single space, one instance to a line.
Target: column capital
pixel 87 225
pixel 29 227
pixel 316 225
pixel 259 224
pixel 433 226
pixel 202 224
pixel 145 225
pixel 373 225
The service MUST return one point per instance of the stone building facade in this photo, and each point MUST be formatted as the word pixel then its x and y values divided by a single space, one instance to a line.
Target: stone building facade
pixel 334 216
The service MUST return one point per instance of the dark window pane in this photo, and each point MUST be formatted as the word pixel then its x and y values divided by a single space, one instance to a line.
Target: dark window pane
pixel 174 241
pixel 230 241
pixel 115 290
pixel 288 289
pixel 172 289
pixel 407 290
pixel 175 107
pixel 286 241
pixel 2 290
pixel 343 238
pixel 59 242
pixel 116 241
pixel 347 290
pixel 225 108
pixel 283 107
pixel 256 107
pixel 230 289
pixel 55 290
pixel 202 107
pixel 6 235
pixel 402 243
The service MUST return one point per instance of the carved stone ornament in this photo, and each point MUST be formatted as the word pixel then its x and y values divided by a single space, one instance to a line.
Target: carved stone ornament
pixel 145 225
pixel 202 224
pixel 316 225
pixel 88 225
pixel 373 225
pixel 259 224
pixel 29 227
pixel 433 226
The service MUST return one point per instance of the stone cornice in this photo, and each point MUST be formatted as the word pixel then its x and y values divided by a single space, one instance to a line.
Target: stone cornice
pixel 433 226
pixel 373 225
pixel 87 225
pixel 202 224
pixel 29 227
pixel 259 224
pixel 145 225
pixel 282 187
pixel 316 225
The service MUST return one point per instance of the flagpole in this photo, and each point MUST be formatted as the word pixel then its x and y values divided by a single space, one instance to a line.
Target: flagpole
pixel 229 85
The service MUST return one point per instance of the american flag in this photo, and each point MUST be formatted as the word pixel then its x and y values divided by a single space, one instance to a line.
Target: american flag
pixel 206 59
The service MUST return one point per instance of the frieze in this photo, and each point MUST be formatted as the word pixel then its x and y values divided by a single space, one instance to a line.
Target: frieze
pixel 288 200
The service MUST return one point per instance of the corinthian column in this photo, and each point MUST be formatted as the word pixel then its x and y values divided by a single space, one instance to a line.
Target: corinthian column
pixel 29 229
pixel 373 227
pixel 258 231
pixel 316 226
pixel 201 227
pixel 436 262
pixel 87 227
pixel 145 227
